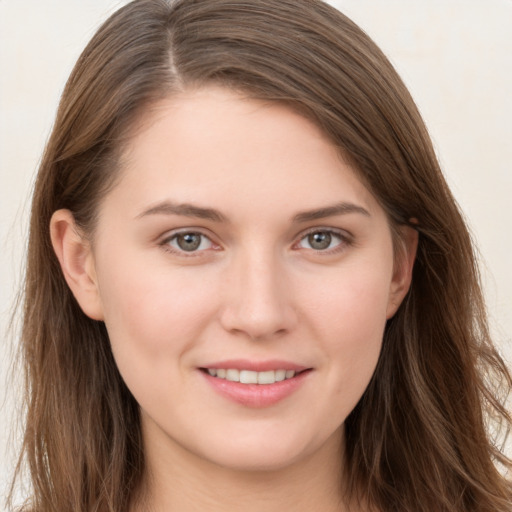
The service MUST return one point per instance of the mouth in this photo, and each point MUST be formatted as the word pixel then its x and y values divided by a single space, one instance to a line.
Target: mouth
pixel 253 377
pixel 253 384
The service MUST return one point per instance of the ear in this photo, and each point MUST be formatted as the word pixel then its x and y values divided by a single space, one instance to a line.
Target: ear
pixel 76 259
pixel 402 273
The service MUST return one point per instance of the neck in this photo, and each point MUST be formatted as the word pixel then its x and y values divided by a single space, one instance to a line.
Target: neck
pixel 177 480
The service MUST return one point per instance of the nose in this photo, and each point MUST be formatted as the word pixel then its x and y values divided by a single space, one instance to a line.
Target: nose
pixel 258 299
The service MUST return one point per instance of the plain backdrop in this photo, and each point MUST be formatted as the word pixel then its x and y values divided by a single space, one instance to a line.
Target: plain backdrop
pixel 454 55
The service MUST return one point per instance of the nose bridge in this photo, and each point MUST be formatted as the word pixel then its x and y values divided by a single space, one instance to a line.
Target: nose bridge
pixel 259 302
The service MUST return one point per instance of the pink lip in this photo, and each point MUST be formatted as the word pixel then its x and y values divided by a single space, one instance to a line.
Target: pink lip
pixel 256 366
pixel 255 395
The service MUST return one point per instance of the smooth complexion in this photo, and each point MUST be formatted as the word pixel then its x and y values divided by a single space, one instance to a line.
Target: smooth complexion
pixel 238 239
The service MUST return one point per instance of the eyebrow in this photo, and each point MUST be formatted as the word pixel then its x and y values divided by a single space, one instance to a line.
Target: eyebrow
pixel 190 210
pixel 184 209
pixel 342 208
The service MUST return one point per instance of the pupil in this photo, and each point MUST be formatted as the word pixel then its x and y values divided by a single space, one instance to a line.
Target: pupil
pixel 320 240
pixel 189 241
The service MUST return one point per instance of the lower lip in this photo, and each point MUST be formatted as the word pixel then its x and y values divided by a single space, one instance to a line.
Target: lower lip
pixel 256 395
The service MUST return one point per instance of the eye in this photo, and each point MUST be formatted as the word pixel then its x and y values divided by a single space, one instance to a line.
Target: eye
pixel 322 240
pixel 188 241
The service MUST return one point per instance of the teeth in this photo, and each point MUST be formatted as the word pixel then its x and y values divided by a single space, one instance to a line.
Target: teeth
pixel 233 375
pixel 267 377
pixel 280 375
pixel 250 377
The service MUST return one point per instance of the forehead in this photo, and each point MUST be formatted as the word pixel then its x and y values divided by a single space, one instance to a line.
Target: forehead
pixel 213 144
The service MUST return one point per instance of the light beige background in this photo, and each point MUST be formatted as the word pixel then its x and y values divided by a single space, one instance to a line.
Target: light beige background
pixel 455 56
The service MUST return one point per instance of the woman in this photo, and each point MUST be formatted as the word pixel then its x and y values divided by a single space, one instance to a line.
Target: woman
pixel 248 284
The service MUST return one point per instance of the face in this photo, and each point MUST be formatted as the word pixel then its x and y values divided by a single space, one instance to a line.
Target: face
pixel 245 276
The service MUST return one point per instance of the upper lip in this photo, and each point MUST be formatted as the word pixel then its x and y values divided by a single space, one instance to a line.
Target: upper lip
pixel 256 366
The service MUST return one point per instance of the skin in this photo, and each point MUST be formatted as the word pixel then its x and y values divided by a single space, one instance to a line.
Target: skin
pixel 255 289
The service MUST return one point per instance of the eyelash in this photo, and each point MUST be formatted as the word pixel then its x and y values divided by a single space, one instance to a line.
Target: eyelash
pixel 344 238
pixel 166 243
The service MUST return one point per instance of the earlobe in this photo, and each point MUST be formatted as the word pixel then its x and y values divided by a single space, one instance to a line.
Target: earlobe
pixel 402 274
pixel 76 259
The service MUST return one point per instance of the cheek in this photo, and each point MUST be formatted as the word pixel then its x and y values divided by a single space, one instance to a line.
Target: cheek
pixel 351 304
pixel 153 316
pixel 349 319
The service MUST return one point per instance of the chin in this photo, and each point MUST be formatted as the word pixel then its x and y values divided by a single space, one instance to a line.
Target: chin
pixel 253 462
pixel 270 453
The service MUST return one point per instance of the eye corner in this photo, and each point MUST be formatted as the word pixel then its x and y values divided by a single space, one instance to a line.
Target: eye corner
pixel 328 240
pixel 189 242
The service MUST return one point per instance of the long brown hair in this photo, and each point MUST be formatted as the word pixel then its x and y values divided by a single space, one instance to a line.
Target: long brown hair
pixel 419 437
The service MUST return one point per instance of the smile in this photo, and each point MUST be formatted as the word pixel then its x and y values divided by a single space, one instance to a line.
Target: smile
pixel 251 377
pixel 255 388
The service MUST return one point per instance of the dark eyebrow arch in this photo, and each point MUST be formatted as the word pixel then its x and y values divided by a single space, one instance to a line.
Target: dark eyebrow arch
pixel 329 211
pixel 184 209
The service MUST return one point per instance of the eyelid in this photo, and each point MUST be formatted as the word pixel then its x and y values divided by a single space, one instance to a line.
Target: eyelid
pixel 165 240
pixel 346 239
